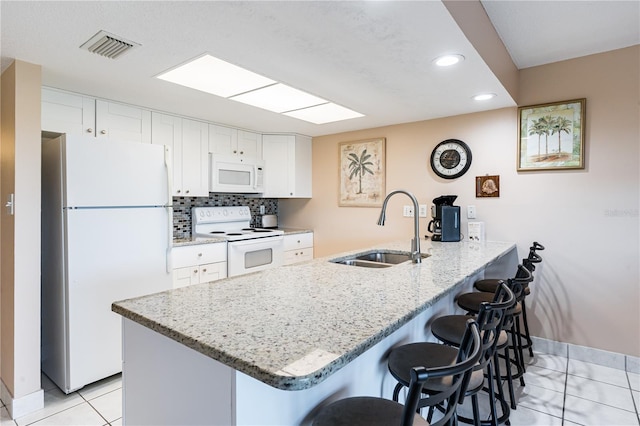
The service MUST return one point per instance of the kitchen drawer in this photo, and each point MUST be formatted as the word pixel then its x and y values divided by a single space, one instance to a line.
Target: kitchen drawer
pixel 298 241
pixel 199 254
pixel 299 255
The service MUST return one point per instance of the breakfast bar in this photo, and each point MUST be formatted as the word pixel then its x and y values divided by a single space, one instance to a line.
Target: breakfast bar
pixel 272 346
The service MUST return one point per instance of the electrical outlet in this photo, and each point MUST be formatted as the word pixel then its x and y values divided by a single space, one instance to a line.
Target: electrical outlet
pixel 423 210
pixel 471 212
pixel 407 211
pixel 261 209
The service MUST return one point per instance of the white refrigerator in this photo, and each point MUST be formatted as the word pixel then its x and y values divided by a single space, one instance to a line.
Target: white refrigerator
pixel 106 236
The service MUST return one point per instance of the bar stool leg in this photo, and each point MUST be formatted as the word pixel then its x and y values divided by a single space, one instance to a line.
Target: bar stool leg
pixel 527 335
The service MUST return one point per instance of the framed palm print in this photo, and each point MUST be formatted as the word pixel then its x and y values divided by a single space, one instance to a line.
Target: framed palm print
pixel 551 136
pixel 362 173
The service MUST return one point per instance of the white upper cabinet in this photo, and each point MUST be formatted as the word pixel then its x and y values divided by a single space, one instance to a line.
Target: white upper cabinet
pixel 122 122
pixel 69 113
pixel 188 140
pixel 64 112
pixel 229 141
pixel 287 166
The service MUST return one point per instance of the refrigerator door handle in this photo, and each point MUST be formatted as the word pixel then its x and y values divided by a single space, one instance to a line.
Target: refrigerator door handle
pixel 168 164
pixel 169 239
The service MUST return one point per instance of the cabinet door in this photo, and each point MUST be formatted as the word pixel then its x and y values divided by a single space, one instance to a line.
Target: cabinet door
pixel 277 173
pixel 68 113
pixel 287 166
pixel 167 130
pixel 122 122
pixel 213 271
pixel 222 140
pixel 183 277
pixel 195 170
pixel 249 144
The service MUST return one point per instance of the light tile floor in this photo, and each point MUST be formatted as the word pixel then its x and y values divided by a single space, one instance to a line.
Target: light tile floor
pixel 558 391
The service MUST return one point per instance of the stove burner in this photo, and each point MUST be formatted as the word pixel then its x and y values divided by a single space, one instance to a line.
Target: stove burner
pixel 216 232
pixel 262 230
pixel 234 233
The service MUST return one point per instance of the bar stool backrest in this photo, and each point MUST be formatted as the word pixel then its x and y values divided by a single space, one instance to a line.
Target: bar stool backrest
pixel 468 356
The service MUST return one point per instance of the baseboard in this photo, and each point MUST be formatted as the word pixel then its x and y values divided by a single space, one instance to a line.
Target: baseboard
pixel 584 353
pixel 19 407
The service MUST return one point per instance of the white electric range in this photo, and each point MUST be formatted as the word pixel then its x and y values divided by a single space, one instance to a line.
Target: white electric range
pixel 248 249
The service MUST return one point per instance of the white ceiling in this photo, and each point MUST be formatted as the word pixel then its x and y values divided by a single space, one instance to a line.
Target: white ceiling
pixel 374 57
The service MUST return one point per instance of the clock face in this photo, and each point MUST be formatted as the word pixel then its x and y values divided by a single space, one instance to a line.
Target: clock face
pixel 451 159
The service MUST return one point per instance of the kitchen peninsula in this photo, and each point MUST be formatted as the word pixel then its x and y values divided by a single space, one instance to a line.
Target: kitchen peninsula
pixel 270 347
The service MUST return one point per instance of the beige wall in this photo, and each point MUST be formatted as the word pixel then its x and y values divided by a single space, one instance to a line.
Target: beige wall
pixel 588 284
pixel 20 247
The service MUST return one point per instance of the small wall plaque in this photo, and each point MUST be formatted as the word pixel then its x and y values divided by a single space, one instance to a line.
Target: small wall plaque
pixel 487 186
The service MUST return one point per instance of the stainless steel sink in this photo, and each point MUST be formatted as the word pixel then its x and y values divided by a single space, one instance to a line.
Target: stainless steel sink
pixel 376 259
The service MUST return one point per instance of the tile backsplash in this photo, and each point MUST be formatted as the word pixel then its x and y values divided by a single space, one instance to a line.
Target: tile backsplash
pixel 182 208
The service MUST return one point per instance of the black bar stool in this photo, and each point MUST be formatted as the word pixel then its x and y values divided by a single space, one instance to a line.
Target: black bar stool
pixel 489 323
pixel 373 411
pixel 491 317
pixel 490 285
pixel 471 303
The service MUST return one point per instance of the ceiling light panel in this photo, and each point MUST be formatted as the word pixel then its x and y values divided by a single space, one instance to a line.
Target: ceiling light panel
pixel 279 98
pixel 325 113
pixel 215 76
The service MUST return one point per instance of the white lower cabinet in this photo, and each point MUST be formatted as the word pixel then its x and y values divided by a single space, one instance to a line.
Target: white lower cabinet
pixel 199 263
pixel 298 248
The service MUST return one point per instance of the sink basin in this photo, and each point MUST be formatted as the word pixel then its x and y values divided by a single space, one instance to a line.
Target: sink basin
pixel 363 263
pixel 376 259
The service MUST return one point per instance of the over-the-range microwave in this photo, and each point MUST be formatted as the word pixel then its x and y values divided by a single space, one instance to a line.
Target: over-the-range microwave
pixel 236 174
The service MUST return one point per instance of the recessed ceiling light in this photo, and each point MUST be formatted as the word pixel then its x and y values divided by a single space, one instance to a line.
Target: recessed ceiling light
pixel 279 98
pixel 484 96
pixel 325 113
pixel 448 60
pixel 215 76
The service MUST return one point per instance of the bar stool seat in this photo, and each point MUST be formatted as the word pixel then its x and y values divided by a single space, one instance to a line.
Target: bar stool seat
pixel 489 285
pixel 470 302
pixel 364 410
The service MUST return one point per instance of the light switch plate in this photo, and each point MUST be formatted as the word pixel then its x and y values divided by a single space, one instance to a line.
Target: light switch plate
pixel 471 212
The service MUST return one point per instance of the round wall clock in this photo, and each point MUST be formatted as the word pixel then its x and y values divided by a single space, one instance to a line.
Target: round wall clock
pixel 451 158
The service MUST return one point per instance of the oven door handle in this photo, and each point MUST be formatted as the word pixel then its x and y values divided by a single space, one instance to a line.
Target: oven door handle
pixel 256 241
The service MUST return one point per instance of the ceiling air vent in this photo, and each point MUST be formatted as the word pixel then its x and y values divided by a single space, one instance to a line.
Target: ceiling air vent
pixel 108 45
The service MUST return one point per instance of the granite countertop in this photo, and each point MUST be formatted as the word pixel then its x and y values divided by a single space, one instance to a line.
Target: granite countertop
pixel 293 326
pixel 178 242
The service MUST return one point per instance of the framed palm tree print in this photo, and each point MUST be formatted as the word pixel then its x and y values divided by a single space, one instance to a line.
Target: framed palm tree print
pixel 362 173
pixel 551 136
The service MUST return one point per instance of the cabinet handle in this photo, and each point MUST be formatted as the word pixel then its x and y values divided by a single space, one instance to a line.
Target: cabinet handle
pixel 178 191
pixel 195 271
pixel 199 254
pixel 235 152
pixel 103 132
pixel 204 270
pixel 241 152
pixel 186 192
pixel 298 241
pixel 89 130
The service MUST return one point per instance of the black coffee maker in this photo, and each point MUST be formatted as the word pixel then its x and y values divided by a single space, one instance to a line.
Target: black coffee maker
pixel 445 225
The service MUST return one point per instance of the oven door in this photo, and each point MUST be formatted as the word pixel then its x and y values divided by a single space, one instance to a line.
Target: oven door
pixel 254 255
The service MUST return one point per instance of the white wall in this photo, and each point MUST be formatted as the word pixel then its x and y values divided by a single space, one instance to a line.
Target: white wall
pixel 587 286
